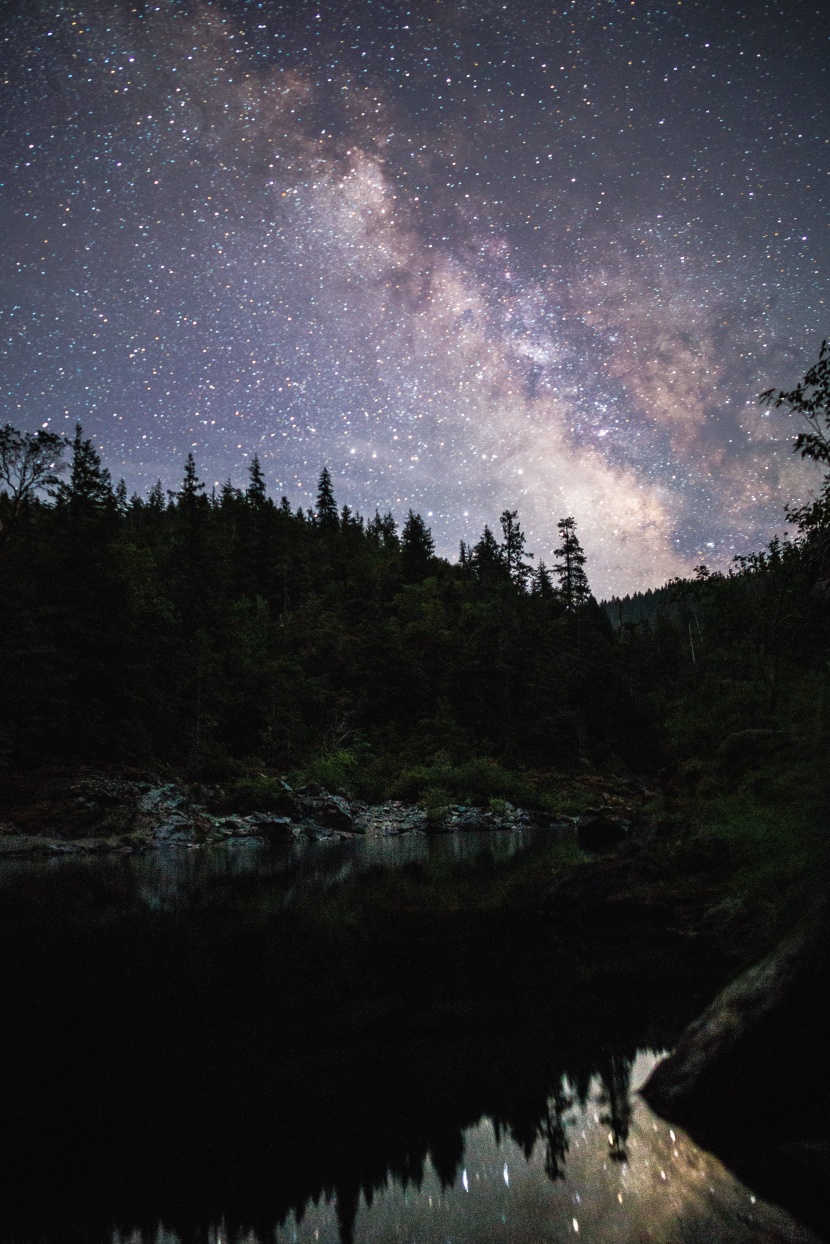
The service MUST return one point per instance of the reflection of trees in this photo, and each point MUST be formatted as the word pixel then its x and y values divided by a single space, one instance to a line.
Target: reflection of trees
pixel 615 1074
pixel 172 1031
pixel 447 1153
pixel 347 1201
pixel 554 1133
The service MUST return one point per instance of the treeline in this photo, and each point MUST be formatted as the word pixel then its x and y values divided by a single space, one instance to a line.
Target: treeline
pixel 229 634
pixel 212 630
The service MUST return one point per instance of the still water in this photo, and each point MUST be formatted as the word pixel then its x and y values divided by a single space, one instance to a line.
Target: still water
pixel 191 1058
pixel 169 878
pixel 587 1181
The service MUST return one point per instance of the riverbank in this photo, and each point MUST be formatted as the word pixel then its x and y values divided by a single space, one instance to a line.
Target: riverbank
pixel 87 810
pixel 640 863
pixel 609 908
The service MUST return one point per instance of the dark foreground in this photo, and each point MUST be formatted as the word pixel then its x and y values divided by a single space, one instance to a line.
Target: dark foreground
pixel 258 1053
pixel 236 1057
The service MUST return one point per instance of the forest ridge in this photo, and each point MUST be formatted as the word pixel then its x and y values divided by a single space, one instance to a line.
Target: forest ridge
pixel 223 633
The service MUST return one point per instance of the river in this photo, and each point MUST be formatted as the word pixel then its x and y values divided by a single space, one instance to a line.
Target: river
pixel 249 1044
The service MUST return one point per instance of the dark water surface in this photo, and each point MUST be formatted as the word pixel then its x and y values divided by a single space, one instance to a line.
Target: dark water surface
pixel 247 1044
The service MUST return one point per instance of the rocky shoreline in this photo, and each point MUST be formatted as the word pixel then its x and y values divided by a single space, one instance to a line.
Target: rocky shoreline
pixel 95 814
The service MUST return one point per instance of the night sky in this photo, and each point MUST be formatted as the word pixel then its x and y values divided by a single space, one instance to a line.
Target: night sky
pixel 470 255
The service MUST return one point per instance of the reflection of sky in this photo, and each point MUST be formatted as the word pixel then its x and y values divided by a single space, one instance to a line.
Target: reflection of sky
pixel 665 1191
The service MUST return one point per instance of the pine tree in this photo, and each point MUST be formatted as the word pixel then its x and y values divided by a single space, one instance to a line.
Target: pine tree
pixel 256 493
pixel 383 529
pixel 121 502
pixel 486 559
pixel 573 581
pixel 513 549
pixel 326 509
pixel 155 498
pixel 89 489
pixel 542 584
pixel 417 548
pixel 191 494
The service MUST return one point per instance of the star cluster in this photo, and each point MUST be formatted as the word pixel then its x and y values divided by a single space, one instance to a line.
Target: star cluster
pixel 471 255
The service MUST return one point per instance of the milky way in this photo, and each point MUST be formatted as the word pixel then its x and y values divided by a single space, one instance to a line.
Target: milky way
pixel 472 256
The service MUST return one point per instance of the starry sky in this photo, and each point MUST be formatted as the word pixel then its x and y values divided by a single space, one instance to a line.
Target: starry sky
pixel 471 255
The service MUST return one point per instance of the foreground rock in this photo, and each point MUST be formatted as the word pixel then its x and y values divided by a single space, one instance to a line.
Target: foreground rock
pixel 748 1078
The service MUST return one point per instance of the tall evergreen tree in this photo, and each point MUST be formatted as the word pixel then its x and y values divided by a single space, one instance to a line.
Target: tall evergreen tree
pixel 89 488
pixel 513 549
pixel 121 502
pixel 542 584
pixel 256 493
pixel 326 508
pixel 486 559
pixel 155 498
pixel 417 548
pixel 573 581
pixel 383 529
pixel 191 496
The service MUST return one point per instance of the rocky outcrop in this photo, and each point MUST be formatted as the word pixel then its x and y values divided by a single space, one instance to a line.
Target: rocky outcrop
pixel 67 814
pixel 743 1016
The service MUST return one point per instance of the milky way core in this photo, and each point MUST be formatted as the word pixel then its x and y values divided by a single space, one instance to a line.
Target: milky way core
pixel 473 256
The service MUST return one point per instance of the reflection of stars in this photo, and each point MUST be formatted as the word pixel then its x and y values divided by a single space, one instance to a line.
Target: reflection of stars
pixel 470 260
pixel 578 1174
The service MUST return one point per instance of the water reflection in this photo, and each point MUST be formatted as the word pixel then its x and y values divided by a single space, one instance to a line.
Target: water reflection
pixel 167 877
pixel 602 1168
pixel 187 1059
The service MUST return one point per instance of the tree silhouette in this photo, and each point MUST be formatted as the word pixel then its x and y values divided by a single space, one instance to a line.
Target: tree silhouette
pixel 326 508
pixel 811 399
pixel 256 493
pixel 30 462
pixel 573 581
pixel 89 489
pixel 417 548
pixel 513 549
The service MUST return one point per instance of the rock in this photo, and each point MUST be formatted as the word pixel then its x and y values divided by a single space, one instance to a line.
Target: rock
pixel 271 828
pixel 329 811
pixel 386 820
pixel 470 819
pixel 167 796
pixel 748 1077
pixel 599 830
pixel 737 1018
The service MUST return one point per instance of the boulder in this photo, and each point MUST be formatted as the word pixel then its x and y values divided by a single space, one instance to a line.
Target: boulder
pixel 385 820
pixel 748 1078
pixel 270 827
pixel 462 817
pixel 329 811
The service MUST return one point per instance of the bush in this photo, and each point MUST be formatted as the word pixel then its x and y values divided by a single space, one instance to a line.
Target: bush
pixel 333 771
pixel 473 782
pixel 258 793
